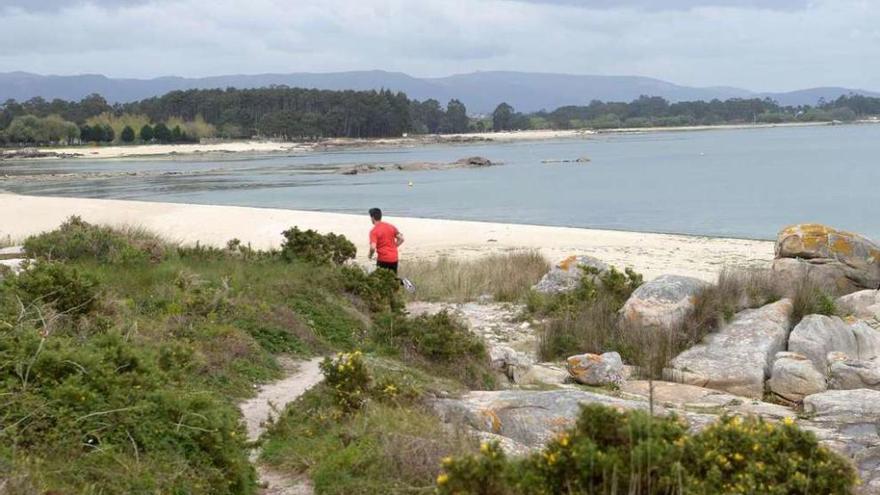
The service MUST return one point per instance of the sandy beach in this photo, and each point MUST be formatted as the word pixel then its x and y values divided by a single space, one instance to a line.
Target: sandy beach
pixel 651 254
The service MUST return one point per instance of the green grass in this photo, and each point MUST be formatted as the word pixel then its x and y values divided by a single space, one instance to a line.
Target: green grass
pixel 123 359
pixel 386 447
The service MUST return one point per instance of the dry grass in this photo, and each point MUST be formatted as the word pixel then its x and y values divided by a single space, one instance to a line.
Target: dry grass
pixel 597 328
pixel 505 277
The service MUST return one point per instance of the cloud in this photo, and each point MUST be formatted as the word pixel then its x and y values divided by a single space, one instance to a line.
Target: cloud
pixel 778 45
pixel 655 5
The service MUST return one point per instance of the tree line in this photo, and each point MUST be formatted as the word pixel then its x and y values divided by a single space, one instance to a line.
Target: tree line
pixel 286 113
pixel 653 111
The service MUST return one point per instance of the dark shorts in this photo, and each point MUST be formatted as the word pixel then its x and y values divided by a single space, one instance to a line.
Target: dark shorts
pixel 388 266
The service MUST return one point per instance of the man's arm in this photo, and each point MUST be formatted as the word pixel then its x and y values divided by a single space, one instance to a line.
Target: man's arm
pixel 373 241
pixel 398 238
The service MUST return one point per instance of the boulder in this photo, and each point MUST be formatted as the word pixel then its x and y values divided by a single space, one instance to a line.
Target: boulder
pixel 528 417
pixel 663 302
pixel 844 406
pixel 817 335
pixel 863 304
pixel 859 257
pixel 566 275
pixel 596 369
pixel 737 357
pixel 845 373
pixel 543 374
pixel 509 362
pixel 794 377
pixel 699 399
pixel 828 274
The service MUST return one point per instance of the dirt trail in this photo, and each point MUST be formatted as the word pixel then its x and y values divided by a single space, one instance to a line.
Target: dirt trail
pixel 270 400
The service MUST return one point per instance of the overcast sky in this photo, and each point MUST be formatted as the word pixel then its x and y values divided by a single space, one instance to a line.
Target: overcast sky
pixel 764 45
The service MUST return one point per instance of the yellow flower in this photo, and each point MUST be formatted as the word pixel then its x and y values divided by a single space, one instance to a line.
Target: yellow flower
pixel 788 421
pixel 738 457
pixel 442 479
pixel 447 461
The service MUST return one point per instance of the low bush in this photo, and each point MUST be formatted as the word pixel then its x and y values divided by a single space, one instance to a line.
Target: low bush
pixel 437 342
pixel 379 290
pixel 313 247
pixel 586 319
pixel 104 414
pixel 68 290
pixel 615 452
pixel 348 379
pixel 506 277
pixel 381 448
pixel 77 240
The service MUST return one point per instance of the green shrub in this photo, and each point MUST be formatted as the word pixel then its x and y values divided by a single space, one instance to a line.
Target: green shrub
pixel 77 240
pixel 105 412
pixel 438 342
pixel 67 289
pixel 348 378
pixel 586 318
pixel 380 290
pixel 750 455
pixel 312 247
pixel 382 448
pixel 613 452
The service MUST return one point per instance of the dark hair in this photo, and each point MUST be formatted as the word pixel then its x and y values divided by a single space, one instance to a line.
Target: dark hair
pixel 376 214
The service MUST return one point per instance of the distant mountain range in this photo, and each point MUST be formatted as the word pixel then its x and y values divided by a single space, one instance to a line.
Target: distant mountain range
pixel 480 91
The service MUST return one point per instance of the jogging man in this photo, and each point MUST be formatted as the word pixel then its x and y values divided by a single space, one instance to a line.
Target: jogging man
pixel 384 241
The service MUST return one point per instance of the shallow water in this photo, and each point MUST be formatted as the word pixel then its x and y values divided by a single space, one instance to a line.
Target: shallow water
pixel 739 183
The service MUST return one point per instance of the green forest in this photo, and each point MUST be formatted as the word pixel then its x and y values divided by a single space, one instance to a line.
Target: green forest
pixel 308 114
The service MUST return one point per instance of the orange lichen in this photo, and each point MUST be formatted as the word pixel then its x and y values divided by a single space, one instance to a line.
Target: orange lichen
pixel 842 245
pixel 567 263
pixel 494 420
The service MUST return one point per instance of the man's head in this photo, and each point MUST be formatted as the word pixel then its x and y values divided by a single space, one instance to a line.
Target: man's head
pixel 375 214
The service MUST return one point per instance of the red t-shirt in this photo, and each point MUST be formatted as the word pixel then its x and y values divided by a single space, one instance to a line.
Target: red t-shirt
pixel 384 236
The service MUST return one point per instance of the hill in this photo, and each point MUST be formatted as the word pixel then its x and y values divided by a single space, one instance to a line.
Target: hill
pixel 480 91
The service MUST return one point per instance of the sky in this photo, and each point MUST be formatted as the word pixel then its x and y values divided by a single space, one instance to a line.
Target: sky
pixel 762 45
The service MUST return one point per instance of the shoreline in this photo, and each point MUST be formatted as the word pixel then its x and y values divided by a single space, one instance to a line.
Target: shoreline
pixel 253 147
pixel 652 254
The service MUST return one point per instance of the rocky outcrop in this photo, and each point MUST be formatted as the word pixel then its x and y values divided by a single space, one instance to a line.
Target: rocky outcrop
pixel 850 259
pixel 844 406
pixel 829 275
pixel 737 358
pixel 817 335
pixel 662 303
pixel 474 161
pixel 566 275
pixel 527 417
pixel 863 304
pixel 509 362
pixel 596 369
pixel 845 373
pixel 794 377
pixel 525 420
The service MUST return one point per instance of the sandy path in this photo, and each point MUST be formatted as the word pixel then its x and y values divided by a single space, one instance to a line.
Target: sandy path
pixel 271 399
pixel 650 254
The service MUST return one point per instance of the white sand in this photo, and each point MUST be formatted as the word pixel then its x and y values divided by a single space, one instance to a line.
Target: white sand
pixel 154 150
pixel 651 254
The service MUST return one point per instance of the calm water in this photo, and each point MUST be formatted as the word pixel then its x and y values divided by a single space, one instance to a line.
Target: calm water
pixel 741 183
